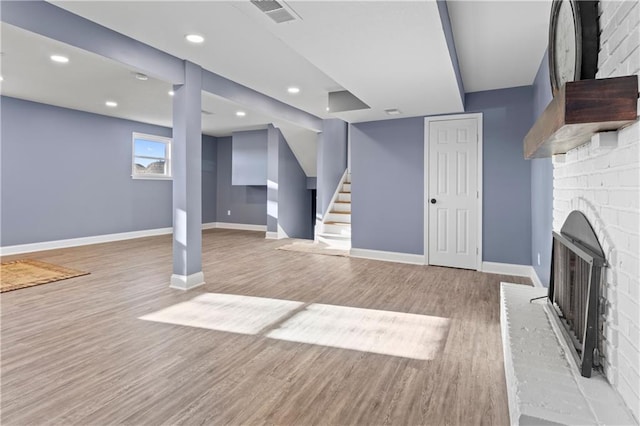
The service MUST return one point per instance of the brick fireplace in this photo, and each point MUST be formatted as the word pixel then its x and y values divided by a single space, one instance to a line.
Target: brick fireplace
pixel 604 184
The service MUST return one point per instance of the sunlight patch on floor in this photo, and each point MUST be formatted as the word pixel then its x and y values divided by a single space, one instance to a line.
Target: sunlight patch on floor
pixel 382 332
pixel 367 330
pixel 225 312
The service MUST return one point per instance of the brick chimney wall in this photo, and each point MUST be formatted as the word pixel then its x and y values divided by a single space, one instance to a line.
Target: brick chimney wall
pixel 605 185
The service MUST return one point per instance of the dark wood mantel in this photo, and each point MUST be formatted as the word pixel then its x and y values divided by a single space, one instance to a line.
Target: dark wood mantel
pixel 580 110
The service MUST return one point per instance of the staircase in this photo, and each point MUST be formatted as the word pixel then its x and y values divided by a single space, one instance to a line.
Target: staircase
pixel 335 229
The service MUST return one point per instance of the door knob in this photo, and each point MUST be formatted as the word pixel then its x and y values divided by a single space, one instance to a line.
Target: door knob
pixel 433 201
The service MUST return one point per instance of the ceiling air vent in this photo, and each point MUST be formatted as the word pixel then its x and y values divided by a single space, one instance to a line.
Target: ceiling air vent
pixel 274 10
pixel 267 5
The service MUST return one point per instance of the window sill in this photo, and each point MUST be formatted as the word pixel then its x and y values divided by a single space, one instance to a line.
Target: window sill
pixel 138 177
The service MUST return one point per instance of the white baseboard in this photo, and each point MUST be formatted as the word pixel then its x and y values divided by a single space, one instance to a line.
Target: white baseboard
pixel 512 269
pixel 506 269
pixel 388 256
pixel 241 226
pixel 281 233
pixel 187 282
pixel 83 241
pixel 535 279
pixel 121 236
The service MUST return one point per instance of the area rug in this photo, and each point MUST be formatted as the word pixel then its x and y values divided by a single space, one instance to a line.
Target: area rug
pixel 315 248
pixel 28 273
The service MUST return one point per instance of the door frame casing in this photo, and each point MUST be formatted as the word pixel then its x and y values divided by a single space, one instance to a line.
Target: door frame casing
pixel 427 121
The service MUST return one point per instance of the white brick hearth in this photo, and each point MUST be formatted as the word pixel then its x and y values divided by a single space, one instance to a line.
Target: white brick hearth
pixel 544 386
pixel 604 183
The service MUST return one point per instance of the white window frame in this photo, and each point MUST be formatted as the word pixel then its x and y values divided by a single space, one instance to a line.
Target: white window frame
pixel 154 138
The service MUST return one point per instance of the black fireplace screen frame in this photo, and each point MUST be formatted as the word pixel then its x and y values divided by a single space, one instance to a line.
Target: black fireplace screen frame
pixel 577 236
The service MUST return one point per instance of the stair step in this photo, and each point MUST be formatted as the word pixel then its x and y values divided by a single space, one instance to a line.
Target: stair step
pixel 344 192
pixel 345 198
pixel 337 212
pixel 334 236
pixel 344 208
pixel 344 217
pixel 336 243
pixel 336 228
pixel 342 202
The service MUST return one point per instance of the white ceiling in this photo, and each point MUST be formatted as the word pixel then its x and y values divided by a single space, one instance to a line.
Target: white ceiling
pixel 89 80
pixel 235 46
pixel 85 83
pixel 500 44
pixel 390 54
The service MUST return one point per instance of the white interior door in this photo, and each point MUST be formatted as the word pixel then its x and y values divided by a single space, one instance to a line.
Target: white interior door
pixel 452 197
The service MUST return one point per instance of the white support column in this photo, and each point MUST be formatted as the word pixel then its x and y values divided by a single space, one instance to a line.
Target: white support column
pixel 187 180
pixel 272 182
pixel 349 148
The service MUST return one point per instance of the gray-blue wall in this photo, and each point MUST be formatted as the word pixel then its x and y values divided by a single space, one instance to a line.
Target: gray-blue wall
pixel 541 185
pixel 248 204
pixel 507 117
pixel 331 161
pixel 209 178
pixel 294 199
pixel 387 185
pixel 249 158
pixel 312 182
pixel 67 174
pixel 387 173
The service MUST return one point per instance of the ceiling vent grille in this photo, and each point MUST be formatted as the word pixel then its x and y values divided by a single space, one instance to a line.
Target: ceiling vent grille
pixel 274 10
pixel 280 16
pixel 267 5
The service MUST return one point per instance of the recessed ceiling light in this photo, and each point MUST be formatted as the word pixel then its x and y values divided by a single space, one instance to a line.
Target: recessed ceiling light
pixel 141 76
pixel 111 104
pixel 327 108
pixel 194 38
pixel 392 111
pixel 241 113
pixel 293 90
pixel 171 93
pixel 1 78
pixel 59 59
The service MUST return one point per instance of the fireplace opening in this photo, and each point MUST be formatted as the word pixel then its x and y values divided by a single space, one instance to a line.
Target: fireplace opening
pixel 574 288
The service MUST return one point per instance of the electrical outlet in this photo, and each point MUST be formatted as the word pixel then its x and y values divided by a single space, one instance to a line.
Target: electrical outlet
pixel 538 259
pixel 229 214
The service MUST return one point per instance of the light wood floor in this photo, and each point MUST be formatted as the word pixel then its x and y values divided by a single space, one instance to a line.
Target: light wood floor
pixel 75 352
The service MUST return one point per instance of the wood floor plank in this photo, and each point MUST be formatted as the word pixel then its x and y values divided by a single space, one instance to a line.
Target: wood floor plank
pixel 77 352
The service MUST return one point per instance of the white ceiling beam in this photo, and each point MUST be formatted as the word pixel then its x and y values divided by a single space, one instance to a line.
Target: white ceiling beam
pixel 242 95
pixel 443 10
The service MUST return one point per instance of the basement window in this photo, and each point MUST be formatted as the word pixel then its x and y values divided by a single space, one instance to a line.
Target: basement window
pixel 151 157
